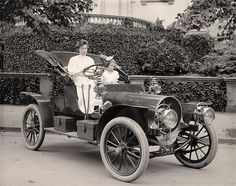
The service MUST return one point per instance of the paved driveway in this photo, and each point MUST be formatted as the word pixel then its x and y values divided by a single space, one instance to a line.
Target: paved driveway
pixel 70 162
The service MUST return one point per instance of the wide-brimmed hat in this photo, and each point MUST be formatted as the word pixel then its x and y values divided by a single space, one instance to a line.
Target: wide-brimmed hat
pixel 109 60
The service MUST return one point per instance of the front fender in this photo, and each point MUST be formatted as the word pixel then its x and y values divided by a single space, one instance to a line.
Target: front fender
pixel 188 110
pixel 138 114
pixel 45 107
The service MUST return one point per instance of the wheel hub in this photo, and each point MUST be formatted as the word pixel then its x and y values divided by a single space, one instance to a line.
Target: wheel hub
pixel 121 148
pixel 193 142
pixel 118 150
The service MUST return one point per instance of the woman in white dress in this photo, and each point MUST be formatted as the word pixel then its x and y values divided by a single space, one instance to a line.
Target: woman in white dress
pixel 84 85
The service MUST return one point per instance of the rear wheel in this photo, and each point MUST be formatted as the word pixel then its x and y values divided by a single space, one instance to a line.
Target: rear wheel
pixel 198 148
pixel 32 128
pixel 124 149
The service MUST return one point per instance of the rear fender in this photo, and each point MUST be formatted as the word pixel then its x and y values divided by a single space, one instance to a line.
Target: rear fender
pixel 45 107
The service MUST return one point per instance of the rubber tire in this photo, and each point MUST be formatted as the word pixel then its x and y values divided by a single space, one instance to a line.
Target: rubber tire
pixel 134 126
pixel 211 154
pixel 41 122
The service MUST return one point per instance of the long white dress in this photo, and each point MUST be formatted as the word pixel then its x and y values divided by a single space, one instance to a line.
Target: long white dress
pixel 84 86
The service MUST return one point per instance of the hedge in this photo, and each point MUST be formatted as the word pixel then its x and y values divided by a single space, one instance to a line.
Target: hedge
pixel 165 59
pixel 121 42
pixel 197 46
pixel 11 88
pixel 216 64
pixel 137 51
pixel 195 92
pixel 129 45
pixel 134 49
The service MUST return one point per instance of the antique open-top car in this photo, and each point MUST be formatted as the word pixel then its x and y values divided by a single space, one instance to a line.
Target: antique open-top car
pixel 132 124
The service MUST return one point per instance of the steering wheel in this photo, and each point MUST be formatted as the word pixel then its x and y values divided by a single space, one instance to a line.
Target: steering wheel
pixel 94 71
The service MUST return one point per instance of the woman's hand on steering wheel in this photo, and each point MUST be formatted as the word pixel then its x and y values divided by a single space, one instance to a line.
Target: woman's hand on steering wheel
pixel 93 71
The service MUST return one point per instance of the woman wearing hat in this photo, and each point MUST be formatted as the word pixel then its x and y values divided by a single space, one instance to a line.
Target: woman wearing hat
pixel 110 76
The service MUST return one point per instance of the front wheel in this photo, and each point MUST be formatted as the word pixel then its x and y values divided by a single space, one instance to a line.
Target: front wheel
pixel 124 149
pixel 32 128
pixel 198 148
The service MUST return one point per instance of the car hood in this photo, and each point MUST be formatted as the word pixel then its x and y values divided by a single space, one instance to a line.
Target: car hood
pixel 143 100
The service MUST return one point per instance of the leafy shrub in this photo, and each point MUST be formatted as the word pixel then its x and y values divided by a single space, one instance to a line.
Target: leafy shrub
pixel 174 35
pixel 11 88
pixel 228 69
pixel 195 92
pixel 197 46
pixel 164 59
pixel 218 63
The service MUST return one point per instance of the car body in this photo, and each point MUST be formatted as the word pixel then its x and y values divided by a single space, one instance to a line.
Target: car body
pixel 129 121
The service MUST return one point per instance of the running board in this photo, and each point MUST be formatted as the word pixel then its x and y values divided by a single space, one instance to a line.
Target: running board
pixel 69 134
